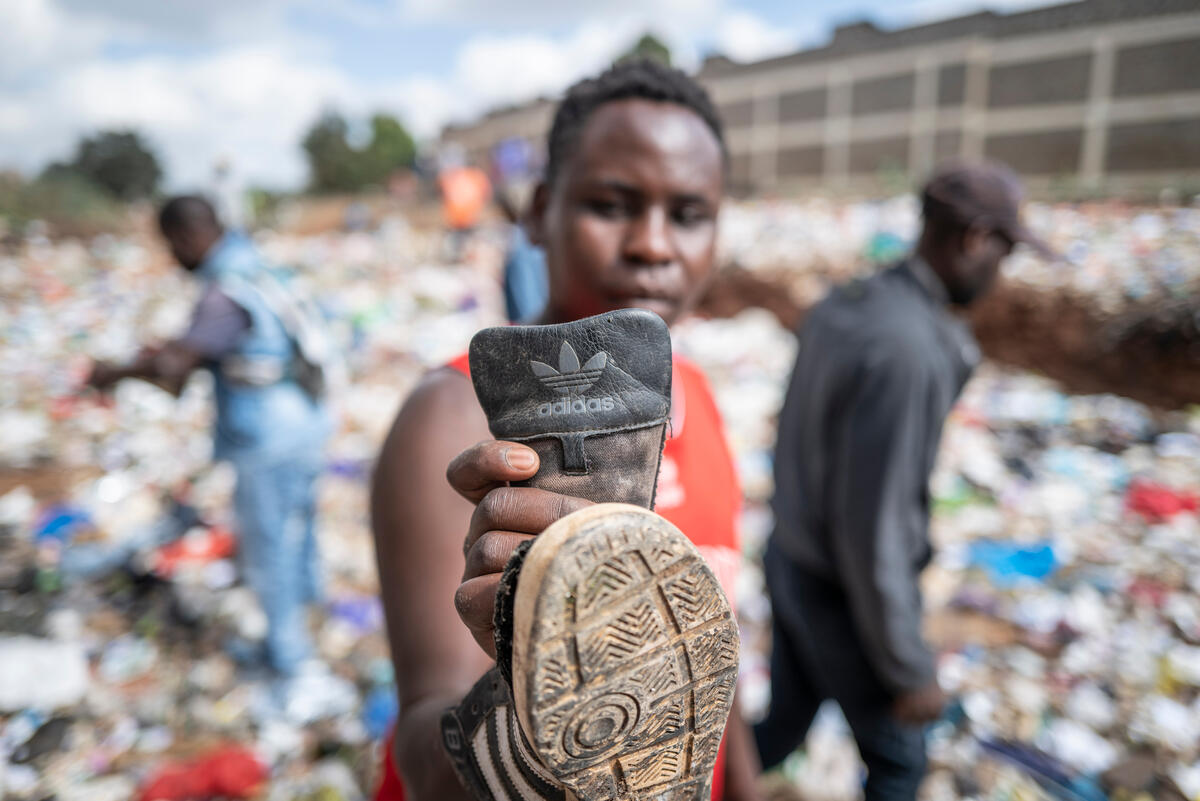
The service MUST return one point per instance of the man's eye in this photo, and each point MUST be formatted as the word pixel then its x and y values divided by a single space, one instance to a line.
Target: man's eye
pixel 690 215
pixel 605 208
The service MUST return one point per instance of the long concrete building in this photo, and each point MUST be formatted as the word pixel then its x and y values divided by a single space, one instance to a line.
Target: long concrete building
pixel 1094 95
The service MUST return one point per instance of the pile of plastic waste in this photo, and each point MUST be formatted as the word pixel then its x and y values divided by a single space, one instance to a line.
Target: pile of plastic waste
pixel 1064 601
pixel 1115 255
pixel 127 640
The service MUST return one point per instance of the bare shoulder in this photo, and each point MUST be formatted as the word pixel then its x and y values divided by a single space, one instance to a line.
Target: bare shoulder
pixel 441 415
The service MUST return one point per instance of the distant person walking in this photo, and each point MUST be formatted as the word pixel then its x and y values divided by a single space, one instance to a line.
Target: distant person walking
pixel 880 364
pixel 228 193
pixel 465 193
pixel 261 347
pixel 526 280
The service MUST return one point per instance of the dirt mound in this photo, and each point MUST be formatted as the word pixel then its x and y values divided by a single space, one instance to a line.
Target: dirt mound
pixel 1149 352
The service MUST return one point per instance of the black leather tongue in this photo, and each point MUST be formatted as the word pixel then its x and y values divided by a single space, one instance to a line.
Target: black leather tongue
pixel 572 381
pixel 598 386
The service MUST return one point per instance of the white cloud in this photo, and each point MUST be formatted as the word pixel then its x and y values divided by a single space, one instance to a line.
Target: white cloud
pixel 250 95
pixel 744 36
pixel 36 36
pixel 184 21
pixel 555 13
pixel 491 70
pixel 251 103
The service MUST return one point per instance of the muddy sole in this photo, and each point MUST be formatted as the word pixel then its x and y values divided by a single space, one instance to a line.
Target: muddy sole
pixel 625 657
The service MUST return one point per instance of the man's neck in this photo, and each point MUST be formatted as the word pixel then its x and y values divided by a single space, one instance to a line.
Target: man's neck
pixel 928 277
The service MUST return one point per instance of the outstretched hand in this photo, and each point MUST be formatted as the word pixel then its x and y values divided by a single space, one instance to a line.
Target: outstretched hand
pixel 920 706
pixel 102 376
pixel 504 517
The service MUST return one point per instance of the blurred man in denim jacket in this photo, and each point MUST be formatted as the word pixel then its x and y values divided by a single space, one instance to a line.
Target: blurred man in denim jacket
pixel 255 338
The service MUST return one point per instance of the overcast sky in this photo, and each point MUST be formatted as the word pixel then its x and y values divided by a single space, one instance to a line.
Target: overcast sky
pixel 244 78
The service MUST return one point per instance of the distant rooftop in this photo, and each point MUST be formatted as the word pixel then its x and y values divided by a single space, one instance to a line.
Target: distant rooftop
pixel 861 37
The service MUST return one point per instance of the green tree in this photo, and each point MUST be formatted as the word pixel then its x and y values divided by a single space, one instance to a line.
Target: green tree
pixel 119 162
pixel 335 166
pixel 391 147
pixel 70 203
pixel 330 158
pixel 649 46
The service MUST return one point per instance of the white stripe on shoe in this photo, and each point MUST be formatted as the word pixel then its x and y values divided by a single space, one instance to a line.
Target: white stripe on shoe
pixel 528 758
pixel 506 757
pixel 483 758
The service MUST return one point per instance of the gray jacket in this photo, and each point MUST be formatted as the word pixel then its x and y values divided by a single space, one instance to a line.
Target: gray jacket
pixel 880 363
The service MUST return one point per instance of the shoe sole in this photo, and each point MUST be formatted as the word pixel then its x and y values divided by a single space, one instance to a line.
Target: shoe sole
pixel 625 656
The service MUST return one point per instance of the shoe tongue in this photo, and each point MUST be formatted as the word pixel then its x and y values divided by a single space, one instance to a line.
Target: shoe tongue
pixel 611 371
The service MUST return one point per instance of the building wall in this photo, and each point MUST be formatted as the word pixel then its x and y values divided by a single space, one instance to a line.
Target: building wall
pixel 1094 93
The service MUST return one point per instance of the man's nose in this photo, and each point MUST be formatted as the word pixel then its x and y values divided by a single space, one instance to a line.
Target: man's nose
pixel 649 238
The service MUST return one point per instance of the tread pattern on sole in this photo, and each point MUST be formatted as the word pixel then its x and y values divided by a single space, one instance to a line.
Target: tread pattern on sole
pixel 632 662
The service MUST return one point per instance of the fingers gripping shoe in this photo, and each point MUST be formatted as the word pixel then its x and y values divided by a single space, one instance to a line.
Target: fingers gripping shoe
pixel 627 695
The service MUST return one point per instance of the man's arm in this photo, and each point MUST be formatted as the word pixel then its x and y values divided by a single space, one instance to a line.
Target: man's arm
pixel 167 367
pixel 419 522
pixel 443 536
pixel 877 513
pixel 217 325
pixel 742 764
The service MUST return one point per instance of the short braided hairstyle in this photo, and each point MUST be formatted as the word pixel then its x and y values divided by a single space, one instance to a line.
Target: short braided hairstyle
pixel 635 79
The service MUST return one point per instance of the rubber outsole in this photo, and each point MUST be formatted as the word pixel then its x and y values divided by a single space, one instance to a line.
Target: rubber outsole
pixel 625 656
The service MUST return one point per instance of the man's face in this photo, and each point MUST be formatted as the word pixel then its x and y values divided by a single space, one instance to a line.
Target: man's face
pixel 631 219
pixel 189 245
pixel 977 264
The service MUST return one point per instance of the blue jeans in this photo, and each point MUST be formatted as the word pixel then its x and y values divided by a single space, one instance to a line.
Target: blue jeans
pixel 814 656
pixel 276 508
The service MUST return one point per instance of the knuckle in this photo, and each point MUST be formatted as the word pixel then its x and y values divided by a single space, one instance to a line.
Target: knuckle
pixel 455 468
pixel 493 548
pixel 485 554
pixel 562 507
pixel 496 505
pixel 464 463
pixel 462 603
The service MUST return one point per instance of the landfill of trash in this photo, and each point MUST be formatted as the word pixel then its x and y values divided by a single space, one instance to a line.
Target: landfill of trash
pixel 1064 600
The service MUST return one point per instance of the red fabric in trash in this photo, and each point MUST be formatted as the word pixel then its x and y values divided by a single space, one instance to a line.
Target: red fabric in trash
pixel 216 543
pixel 228 772
pixel 1157 503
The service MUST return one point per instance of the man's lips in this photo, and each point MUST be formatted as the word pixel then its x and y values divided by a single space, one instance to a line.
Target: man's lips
pixel 644 297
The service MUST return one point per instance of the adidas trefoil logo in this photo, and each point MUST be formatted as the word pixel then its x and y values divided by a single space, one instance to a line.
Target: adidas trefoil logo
pixel 569 378
pixel 569 375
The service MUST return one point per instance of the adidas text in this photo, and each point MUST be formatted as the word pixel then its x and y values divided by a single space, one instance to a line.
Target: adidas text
pixel 575 406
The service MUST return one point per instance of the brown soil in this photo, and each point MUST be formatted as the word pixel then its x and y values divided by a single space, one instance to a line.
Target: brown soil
pixel 1150 353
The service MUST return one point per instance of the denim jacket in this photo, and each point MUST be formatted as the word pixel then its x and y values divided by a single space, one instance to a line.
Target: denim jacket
pixel 263 415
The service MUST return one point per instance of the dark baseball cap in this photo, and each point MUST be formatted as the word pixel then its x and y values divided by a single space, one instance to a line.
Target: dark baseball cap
pixel 985 193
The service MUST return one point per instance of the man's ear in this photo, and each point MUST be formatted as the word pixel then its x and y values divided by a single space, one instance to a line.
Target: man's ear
pixel 535 219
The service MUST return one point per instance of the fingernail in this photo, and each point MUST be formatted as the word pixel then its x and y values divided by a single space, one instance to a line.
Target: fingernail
pixel 520 458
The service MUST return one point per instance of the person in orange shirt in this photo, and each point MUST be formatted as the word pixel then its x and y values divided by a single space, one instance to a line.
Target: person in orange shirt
pixel 465 193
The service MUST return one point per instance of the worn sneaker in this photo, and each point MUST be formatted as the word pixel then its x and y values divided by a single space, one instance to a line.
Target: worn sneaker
pixel 625 656
pixel 591 397
pixel 490 754
pixel 626 649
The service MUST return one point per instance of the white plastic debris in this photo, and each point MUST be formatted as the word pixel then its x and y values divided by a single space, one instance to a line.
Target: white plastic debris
pixel 41 674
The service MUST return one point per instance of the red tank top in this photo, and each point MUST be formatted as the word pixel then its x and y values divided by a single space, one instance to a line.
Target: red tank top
pixel 698 491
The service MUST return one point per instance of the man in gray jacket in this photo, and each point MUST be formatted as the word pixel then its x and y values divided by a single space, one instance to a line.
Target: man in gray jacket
pixel 881 361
